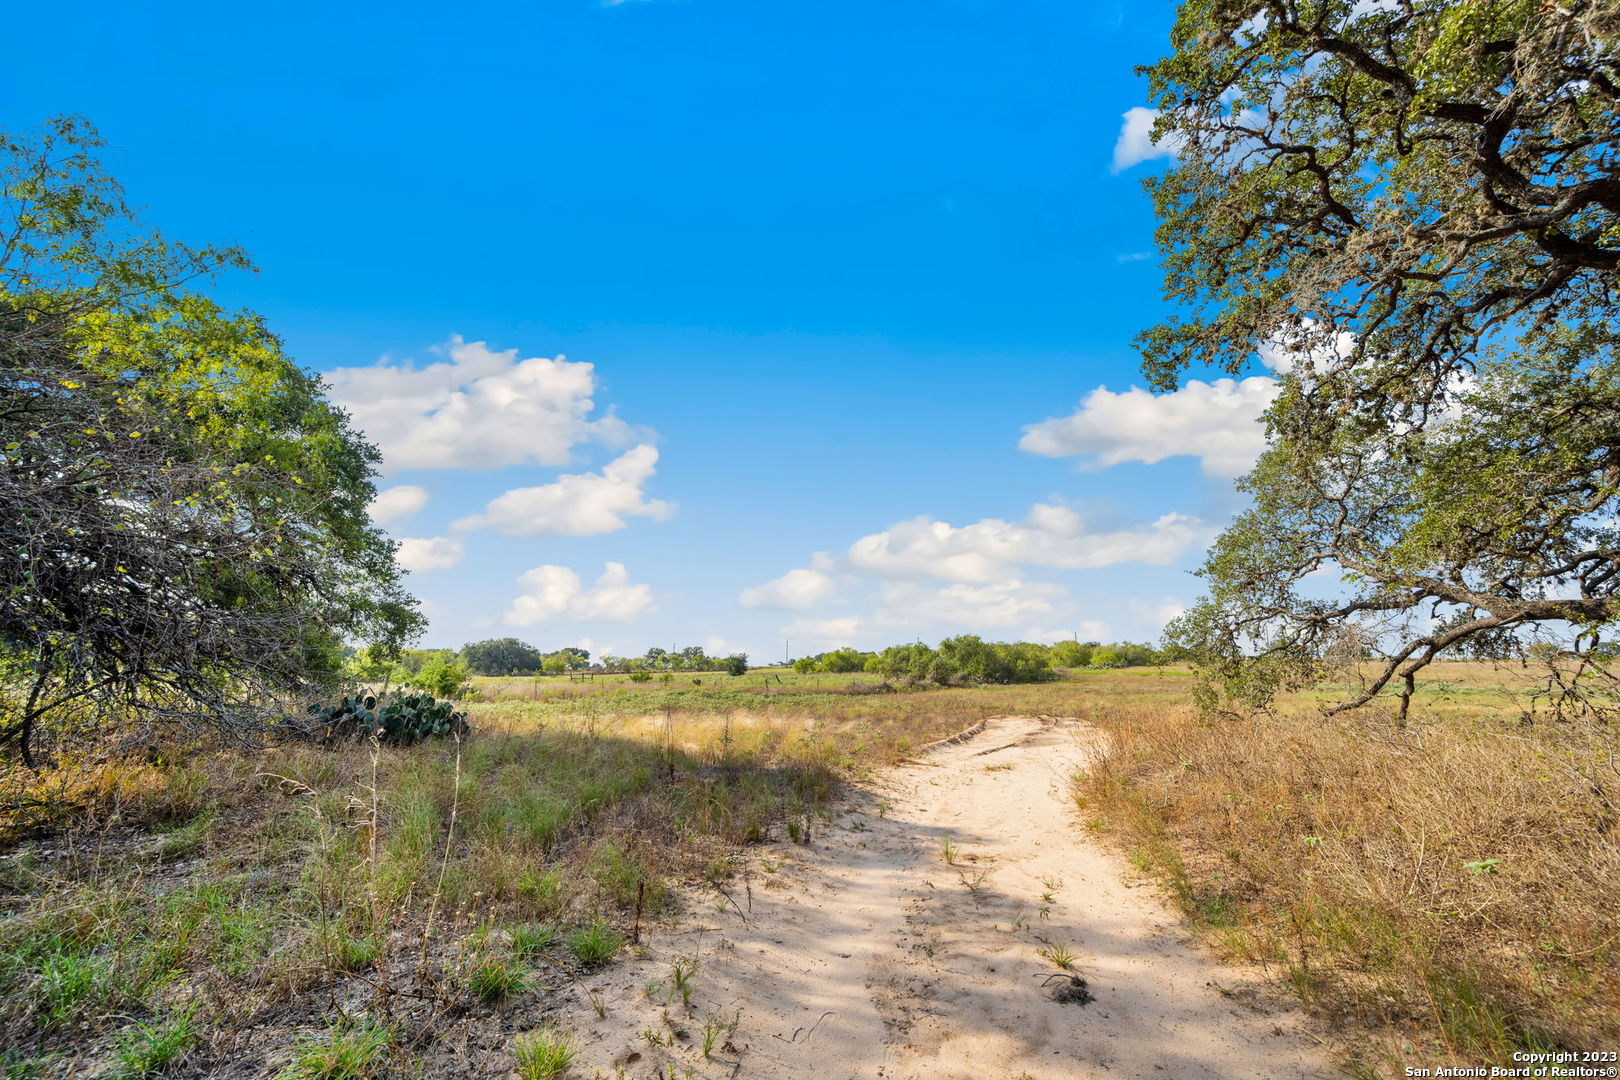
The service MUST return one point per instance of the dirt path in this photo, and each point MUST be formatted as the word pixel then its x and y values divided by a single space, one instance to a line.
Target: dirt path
pixel 868 954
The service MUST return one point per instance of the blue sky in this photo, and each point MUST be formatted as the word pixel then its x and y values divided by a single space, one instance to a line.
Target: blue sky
pixel 836 284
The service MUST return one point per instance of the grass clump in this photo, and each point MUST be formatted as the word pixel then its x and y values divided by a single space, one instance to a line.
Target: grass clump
pixel 595 944
pixel 495 979
pixel 148 1050
pixel 531 939
pixel 543 1054
pixel 346 1050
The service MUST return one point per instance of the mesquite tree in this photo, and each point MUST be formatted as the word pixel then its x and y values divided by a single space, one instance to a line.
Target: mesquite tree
pixel 183 532
pixel 1417 202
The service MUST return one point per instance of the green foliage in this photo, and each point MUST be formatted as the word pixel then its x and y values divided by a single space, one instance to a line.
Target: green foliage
pixel 501 656
pixel 346 1050
pixel 440 677
pixel 497 978
pixel 544 1054
pixel 842 660
pixel 595 944
pixel 736 664
pixel 1071 654
pixel 400 719
pixel 1407 210
pixel 192 535
pixel 148 1050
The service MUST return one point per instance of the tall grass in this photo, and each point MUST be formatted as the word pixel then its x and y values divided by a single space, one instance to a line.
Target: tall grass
pixel 1451 882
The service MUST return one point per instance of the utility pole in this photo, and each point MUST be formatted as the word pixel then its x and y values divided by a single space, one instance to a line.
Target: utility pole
pixel 785 654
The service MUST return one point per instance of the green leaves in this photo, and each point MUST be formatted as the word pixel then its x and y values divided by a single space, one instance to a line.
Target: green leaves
pixel 402 720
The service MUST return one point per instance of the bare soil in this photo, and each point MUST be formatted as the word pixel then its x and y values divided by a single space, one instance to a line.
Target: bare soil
pixel 906 939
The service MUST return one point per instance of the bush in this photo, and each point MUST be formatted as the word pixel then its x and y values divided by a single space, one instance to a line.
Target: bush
pixel 736 664
pixel 402 720
pixel 441 677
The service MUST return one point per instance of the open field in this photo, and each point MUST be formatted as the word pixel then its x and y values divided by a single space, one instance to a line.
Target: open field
pixel 409 912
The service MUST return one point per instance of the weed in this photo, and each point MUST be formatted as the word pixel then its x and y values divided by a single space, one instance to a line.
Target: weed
pixel 1059 955
pixel 543 1054
pixel 66 979
pixel 948 850
pixel 344 1051
pixel 530 939
pixel 595 944
pixel 149 1049
pixel 496 979
pixel 716 1026
pixel 680 975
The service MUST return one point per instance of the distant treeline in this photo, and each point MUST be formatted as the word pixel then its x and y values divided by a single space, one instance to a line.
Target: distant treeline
pixel 434 668
pixel 968 659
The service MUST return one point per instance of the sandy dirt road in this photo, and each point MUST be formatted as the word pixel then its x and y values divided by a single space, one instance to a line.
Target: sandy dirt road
pixel 870 954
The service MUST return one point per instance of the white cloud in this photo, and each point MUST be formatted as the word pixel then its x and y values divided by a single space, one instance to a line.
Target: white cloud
pixel 396 503
pixel 1136 145
pixel 430 553
pixel 795 590
pixel 1217 422
pixel 1049 536
pixel 480 409
pixel 579 504
pixel 552 591
pixel 1000 603
pixel 1167 611
pixel 596 649
pixel 818 635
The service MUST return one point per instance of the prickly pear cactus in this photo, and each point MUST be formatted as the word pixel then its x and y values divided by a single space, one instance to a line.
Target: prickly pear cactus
pixel 399 720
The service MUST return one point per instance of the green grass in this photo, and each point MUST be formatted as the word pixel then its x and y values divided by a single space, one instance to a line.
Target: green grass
pixel 344 1051
pixel 544 1054
pixel 595 944
pixel 531 939
pixel 497 978
pixel 148 1050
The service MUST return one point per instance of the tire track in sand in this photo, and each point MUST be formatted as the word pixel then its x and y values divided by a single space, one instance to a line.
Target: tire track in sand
pixel 867 954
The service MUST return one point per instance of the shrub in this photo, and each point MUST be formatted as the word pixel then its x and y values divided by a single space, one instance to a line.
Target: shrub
pixel 402 720
pixel 441 678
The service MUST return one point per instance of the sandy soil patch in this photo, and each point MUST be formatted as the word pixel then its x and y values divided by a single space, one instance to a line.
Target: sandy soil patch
pixel 919 936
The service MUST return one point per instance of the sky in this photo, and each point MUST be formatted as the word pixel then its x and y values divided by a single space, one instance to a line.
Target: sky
pixel 767 327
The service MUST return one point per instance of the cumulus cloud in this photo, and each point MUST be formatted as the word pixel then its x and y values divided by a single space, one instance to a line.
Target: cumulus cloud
pixel 1135 144
pixel 481 409
pixel 1000 603
pixel 1050 536
pixel 815 635
pixel 396 503
pixel 551 592
pixel 580 504
pixel 429 553
pixel 795 590
pixel 1217 422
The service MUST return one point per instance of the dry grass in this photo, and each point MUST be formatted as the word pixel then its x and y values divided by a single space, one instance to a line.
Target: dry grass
pixel 290 893
pixel 1450 886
